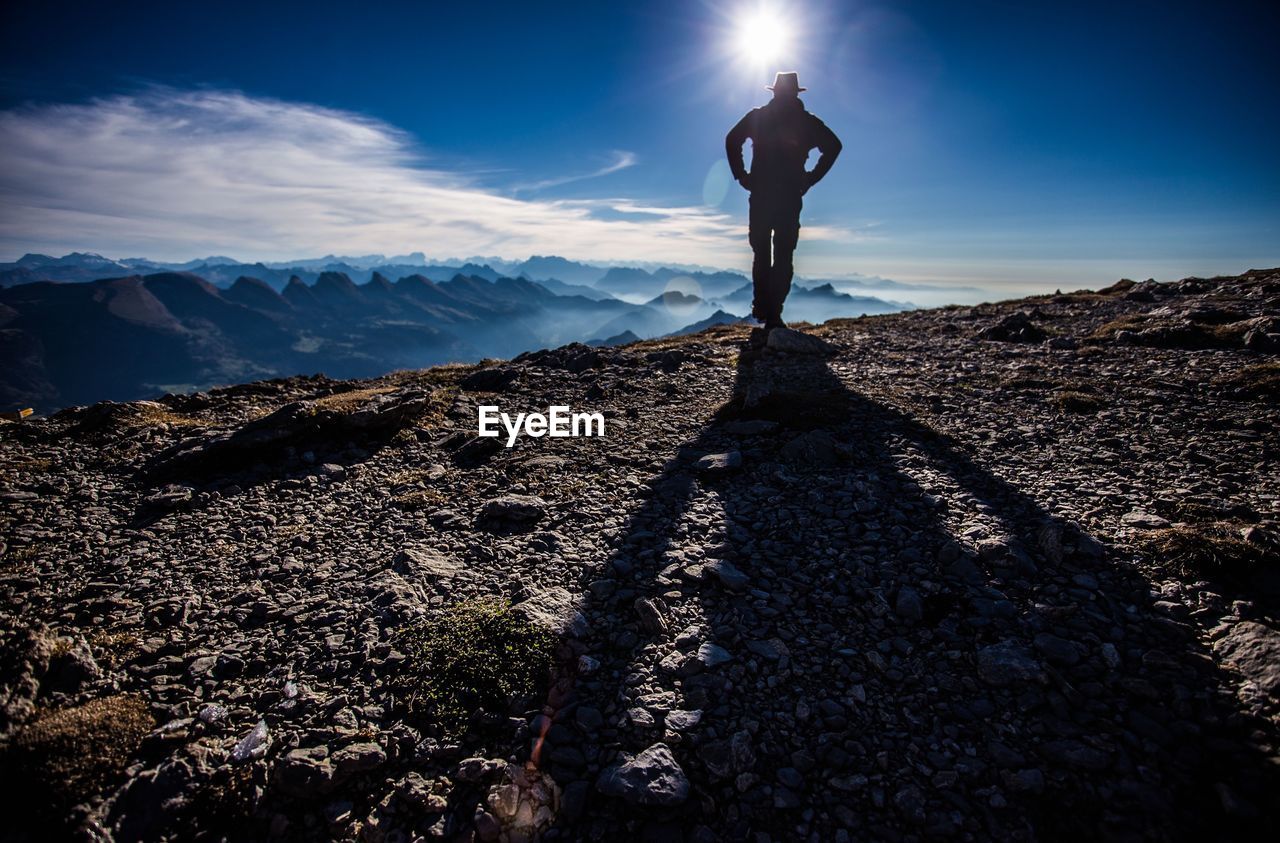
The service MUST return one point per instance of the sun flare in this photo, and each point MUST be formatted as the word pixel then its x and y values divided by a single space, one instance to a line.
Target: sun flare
pixel 763 37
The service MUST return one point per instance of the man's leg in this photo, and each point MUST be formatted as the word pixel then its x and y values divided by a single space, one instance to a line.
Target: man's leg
pixel 785 237
pixel 758 234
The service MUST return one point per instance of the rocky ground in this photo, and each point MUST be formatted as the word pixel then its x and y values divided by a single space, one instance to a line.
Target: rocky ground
pixel 1003 572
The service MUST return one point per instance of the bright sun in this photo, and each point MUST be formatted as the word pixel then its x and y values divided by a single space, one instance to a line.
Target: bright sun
pixel 762 37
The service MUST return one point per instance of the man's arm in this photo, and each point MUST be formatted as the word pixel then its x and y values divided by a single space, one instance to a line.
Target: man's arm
pixel 733 147
pixel 829 147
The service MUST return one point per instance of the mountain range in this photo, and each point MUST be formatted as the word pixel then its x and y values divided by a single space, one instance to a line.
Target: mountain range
pixel 83 328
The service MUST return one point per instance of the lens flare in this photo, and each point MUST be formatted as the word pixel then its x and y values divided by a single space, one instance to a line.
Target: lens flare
pixel 682 296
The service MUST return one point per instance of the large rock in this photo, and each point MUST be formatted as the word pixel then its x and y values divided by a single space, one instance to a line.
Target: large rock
pixel 334 419
pixel 1016 327
pixel 727 573
pixel 651 778
pixel 795 342
pixel 650 612
pixel 711 463
pixel 358 758
pixel 495 379
pixel 71 666
pixel 727 758
pixel 713 655
pixel 426 563
pixel 523 510
pixel 909 605
pixel 1007 663
pixel 1254 651
pixel 554 608
pixel 815 449
pixel 304 772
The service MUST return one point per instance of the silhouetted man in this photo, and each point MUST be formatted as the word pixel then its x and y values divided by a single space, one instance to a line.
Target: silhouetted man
pixel 782 133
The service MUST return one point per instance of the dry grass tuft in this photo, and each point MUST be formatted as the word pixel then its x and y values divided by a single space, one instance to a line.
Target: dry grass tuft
pixel 438 406
pixel 26 555
pixel 1180 509
pixel 20 465
pixel 1124 285
pixel 1075 401
pixel 151 414
pixel 407 475
pixel 443 376
pixel 420 499
pixel 69 755
pixel 1107 331
pixel 1029 382
pixel 557 486
pixel 346 402
pixel 1213 549
pixel 1163 334
pixel 113 649
pixel 1260 381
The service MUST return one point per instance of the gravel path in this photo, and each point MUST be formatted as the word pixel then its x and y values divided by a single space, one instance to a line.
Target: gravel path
pixel 970 573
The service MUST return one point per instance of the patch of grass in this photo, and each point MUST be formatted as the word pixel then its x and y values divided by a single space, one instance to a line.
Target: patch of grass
pixel 1075 401
pixel 151 414
pixel 727 360
pixel 443 378
pixel 73 754
pixel 1213 549
pixel 27 552
pixel 1124 285
pixel 1164 334
pixel 113 649
pixel 420 499
pixel 438 405
pixel 1029 382
pixel 1228 334
pixel 346 402
pixel 27 465
pixel 1183 510
pixel 288 531
pixel 1107 331
pixel 61 647
pixel 1078 296
pixel 1260 381
pixel 408 475
pixel 471 656
pixel 557 486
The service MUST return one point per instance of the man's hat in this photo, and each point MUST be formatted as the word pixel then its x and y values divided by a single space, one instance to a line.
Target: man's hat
pixel 787 81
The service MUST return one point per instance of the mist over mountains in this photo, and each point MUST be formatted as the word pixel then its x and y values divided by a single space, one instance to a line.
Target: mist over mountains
pixel 83 328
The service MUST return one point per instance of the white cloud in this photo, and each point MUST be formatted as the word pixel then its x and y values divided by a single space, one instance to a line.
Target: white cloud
pixel 174 174
pixel 621 160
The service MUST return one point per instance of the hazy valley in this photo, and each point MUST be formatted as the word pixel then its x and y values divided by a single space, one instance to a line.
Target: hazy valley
pixel 84 328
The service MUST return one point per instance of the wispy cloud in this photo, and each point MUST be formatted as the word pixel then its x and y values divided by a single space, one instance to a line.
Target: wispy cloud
pixel 172 174
pixel 621 161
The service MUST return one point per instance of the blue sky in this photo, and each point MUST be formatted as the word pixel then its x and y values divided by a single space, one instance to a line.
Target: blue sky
pixel 1006 143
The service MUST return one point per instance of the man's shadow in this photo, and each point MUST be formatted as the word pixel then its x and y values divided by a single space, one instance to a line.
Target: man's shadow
pixel 914 645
